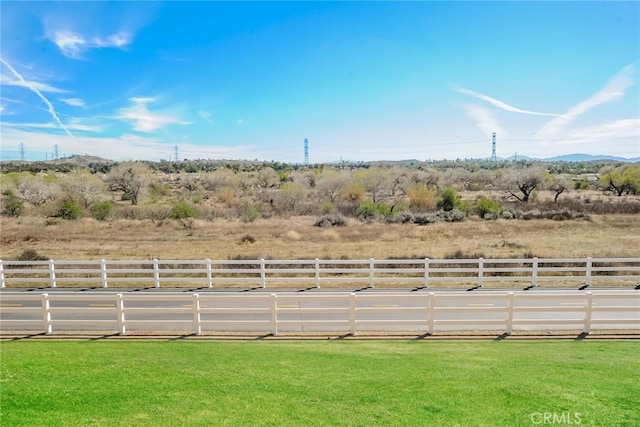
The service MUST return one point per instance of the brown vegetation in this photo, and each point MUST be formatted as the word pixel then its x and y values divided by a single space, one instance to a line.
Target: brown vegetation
pixel 299 238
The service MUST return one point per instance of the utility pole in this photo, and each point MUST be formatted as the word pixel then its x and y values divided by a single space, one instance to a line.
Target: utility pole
pixel 55 151
pixel 22 151
pixel 306 151
pixel 494 159
pixel 175 152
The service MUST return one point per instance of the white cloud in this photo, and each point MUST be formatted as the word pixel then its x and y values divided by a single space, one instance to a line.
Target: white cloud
pixel 205 115
pixel 144 120
pixel 500 104
pixel 484 119
pixel 124 147
pixel 77 126
pixel 613 90
pixel 35 90
pixel 74 102
pixel 74 45
pixel 29 84
pixel 618 130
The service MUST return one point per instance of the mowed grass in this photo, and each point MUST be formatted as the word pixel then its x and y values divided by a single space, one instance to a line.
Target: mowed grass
pixel 314 383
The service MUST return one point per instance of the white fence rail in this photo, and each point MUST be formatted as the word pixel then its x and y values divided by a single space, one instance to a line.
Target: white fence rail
pixel 407 273
pixel 423 312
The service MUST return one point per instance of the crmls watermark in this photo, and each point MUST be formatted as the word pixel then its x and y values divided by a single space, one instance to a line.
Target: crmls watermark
pixel 557 418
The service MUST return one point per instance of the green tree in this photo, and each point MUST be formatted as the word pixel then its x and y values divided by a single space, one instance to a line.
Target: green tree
pixel 621 180
pixel 102 211
pixel 69 210
pixel 11 204
pixel 183 210
pixel 448 200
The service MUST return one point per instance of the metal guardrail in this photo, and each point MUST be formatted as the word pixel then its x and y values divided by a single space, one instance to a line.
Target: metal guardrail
pixel 417 273
pixel 348 312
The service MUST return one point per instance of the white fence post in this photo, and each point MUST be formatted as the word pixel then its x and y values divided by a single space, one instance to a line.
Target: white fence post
pixel 588 314
pixel 156 273
pixel 480 271
pixel 197 326
pixel 2 284
pixel 510 303
pixel 352 313
pixel 263 274
pixel 103 272
pixel 426 272
pixel 52 273
pixel 120 312
pixel 317 269
pixel 209 274
pixel 274 314
pixel 432 312
pixel 371 270
pixel 588 272
pixel 46 314
pixel 534 272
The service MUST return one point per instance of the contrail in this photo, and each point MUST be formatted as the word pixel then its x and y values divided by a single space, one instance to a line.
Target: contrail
pixel 37 92
pixel 500 104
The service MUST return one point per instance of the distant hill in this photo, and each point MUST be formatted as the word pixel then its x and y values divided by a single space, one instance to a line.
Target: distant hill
pixel 589 157
pixel 83 160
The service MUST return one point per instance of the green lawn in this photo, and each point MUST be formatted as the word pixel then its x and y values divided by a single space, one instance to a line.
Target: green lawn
pixel 348 382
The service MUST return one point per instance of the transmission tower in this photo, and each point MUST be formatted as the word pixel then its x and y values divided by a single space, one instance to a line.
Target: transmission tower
pixel 306 151
pixel 55 151
pixel 22 151
pixel 175 152
pixel 493 148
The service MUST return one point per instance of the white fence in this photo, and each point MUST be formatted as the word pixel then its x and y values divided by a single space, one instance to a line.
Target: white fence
pixel 394 273
pixel 422 312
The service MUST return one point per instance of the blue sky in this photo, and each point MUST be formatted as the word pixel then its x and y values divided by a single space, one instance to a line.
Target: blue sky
pixel 360 80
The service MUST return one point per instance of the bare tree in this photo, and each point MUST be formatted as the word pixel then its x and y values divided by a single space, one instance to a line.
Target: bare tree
pixel 374 181
pixel 37 190
pixel 267 178
pixel 86 186
pixel 222 178
pixel 332 184
pixel 557 184
pixel 130 178
pixel 520 182
pixel 290 196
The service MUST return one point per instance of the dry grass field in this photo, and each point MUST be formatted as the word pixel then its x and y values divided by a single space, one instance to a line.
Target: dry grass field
pixel 298 238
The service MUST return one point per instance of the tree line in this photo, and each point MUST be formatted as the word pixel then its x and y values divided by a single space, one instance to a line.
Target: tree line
pixel 419 192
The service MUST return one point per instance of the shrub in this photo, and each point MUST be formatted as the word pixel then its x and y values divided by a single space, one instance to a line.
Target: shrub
pixel 102 211
pixel 328 208
pixel 453 215
pixel 30 255
pixel 11 205
pixel 330 220
pixel 421 197
pixel 367 210
pixel 247 238
pixel 401 217
pixel 485 205
pixel 69 210
pixel 183 210
pixel 581 184
pixel 448 200
pixel 250 214
pixel 425 218
pixel 507 215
